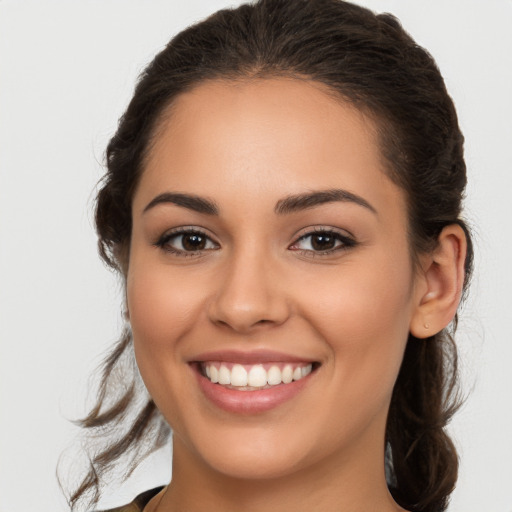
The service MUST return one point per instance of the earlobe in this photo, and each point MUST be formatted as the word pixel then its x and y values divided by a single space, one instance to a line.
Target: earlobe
pixel 443 280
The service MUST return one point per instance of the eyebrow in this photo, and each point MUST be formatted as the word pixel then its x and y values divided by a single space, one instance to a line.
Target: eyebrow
pixel 300 202
pixel 192 202
pixel 284 206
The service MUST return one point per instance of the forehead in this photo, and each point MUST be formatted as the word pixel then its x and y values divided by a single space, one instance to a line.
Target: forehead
pixel 263 138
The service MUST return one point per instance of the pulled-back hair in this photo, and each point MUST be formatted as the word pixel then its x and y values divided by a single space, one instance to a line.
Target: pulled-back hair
pixel 371 62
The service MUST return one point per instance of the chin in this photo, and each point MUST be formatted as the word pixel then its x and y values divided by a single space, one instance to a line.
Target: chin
pixel 251 464
pixel 250 453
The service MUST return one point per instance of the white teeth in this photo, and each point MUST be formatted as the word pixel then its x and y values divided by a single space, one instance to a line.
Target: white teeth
pixel 257 376
pixel 274 376
pixel 238 375
pixel 254 376
pixel 287 374
pixel 224 375
pixel 306 370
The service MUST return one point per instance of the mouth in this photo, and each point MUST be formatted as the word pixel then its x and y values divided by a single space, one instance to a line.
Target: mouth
pixel 249 383
pixel 254 377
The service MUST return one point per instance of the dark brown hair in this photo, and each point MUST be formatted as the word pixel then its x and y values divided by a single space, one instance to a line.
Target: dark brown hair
pixel 370 61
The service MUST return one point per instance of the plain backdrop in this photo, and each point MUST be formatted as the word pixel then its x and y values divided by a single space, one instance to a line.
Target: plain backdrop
pixel 67 70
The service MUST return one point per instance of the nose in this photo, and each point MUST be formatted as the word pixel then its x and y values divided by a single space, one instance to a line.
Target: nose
pixel 250 294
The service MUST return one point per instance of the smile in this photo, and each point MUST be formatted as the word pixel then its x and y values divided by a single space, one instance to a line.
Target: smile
pixel 244 377
pixel 252 382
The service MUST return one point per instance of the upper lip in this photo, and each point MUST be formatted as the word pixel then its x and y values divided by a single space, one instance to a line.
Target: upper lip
pixel 250 357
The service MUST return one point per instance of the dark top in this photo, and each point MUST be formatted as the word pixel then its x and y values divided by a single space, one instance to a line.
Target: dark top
pixel 138 504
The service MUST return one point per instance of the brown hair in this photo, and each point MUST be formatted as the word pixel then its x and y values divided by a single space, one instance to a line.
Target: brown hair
pixel 365 59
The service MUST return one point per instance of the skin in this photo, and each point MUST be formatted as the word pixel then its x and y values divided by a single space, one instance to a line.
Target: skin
pixel 258 285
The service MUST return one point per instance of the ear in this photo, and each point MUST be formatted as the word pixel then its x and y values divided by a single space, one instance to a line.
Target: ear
pixel 440 283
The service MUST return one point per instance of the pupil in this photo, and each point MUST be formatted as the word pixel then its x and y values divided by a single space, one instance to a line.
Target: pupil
pixel 193 242
pixel 322 242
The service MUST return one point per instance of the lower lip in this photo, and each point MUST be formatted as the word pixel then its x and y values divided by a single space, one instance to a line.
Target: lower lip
pixel 250 402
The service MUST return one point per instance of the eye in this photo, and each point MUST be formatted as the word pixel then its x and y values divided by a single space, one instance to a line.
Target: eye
pixel 322 241
pixel 185 241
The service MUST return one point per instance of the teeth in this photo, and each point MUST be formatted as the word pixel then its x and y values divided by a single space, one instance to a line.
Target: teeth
pixel 238 375
pixel 224 375
pixel 255 376
pixel 287 374
pixel 274 376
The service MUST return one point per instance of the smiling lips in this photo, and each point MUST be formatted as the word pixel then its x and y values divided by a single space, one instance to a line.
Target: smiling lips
pixel 251 383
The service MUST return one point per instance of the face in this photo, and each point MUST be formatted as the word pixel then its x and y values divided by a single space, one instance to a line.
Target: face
pixel 270 286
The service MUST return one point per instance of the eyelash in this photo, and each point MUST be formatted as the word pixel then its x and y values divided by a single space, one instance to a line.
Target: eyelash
pixel 344 242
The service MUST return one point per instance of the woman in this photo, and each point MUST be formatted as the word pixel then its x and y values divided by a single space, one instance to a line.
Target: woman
pixel 283 201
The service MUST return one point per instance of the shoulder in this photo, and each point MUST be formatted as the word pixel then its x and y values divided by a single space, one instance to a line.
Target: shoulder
pixel 138 504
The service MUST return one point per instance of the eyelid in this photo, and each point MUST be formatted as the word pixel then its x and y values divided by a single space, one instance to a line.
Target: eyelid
pixel 322 228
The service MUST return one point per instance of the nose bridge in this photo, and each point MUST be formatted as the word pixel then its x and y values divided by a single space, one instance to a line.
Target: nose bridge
pixel 249 293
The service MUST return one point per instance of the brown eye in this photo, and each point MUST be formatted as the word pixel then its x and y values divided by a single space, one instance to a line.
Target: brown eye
pixel 193 242
pixel 323 241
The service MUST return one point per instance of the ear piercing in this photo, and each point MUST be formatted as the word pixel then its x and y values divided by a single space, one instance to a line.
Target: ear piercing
pixel 426 325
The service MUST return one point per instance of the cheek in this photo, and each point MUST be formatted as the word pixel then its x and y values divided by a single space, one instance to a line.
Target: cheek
pixel 363 314
pixel 365 323
pixel 160 307
pixel 361 296
pixel 161 312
